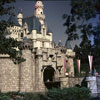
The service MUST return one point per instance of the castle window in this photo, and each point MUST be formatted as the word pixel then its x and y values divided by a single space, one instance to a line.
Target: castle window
pixel 25 30
pixel 43 44
pixel 43 31
pixel 21 34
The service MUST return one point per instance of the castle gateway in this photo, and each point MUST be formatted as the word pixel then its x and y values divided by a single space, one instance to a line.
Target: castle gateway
pixel 46 64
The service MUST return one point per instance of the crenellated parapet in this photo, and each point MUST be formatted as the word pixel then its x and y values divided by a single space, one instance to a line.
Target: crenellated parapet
pixel 70 53
pixel 26 44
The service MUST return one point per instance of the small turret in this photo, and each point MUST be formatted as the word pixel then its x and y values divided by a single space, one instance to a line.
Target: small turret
pixel 59 43
pixel 20 17
pixel 68 45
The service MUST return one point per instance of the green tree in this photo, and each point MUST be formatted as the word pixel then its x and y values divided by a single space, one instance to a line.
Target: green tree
pixel 76 22
pixel 96 47
pixel 8 45
pixel 78 25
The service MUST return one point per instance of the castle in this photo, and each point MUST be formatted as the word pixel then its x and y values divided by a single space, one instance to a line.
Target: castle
pixel 46 65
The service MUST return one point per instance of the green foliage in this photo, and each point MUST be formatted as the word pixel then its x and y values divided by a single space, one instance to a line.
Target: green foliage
pixel 79 25
pixel 83 8
pixel 21 96
pixel 81 12
pixel 33 96
pixel 6 9
pixel 4 96
pixel 8 45
pixel 74 93
pixel 82 53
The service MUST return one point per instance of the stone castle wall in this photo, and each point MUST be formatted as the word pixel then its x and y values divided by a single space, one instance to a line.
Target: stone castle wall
pixel 28 76
pixel 17 77
pixel 26 72
pixel 70 81
pixel 9 75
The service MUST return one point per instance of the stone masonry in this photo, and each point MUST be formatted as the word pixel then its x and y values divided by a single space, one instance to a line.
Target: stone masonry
pixel 46 64
pixel 29 75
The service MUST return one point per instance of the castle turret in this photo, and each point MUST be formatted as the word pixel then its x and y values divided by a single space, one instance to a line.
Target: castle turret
pixel 39 11
pixel 20 17
pixel 70 55
pixel 27 69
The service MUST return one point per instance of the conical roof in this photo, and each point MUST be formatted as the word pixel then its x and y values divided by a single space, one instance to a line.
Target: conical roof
pixel 59 43
pixel 68 45
pixel 33 23
pixel 12 19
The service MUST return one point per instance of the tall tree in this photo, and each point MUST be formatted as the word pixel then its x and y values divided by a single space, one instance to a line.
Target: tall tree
pixel 78 22
pixel 8 45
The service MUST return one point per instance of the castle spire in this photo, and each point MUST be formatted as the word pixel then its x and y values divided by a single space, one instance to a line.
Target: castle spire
pixel 39 11
pixel 20 17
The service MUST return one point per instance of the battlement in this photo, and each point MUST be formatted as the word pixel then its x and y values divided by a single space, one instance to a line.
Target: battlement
pixel 27 44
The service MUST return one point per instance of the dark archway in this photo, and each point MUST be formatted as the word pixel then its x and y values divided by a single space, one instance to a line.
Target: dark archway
pixel 48 74
pixel 49 78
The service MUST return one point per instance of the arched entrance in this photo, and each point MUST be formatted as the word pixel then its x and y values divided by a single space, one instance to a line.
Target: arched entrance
pixel 48 74
pixel 49 78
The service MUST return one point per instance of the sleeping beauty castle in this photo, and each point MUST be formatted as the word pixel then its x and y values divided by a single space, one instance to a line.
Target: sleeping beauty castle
pixel 46 64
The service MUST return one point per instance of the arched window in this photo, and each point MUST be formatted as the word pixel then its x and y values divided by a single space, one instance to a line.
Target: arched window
pixel 43 31
pixel 22 35
pixel 43 44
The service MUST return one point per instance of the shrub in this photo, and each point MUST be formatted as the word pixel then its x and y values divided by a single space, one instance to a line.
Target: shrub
pixel 4 96
pixel 74 93
pixel 21 96
pixel 32 96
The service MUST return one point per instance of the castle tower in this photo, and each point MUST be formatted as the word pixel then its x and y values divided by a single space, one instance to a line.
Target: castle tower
pixel 27 68
pixel 70 54
pixel 39 11
pixel 20 17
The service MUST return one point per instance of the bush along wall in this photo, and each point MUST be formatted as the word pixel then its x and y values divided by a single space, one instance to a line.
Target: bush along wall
pixel 74 93
pixel 21 96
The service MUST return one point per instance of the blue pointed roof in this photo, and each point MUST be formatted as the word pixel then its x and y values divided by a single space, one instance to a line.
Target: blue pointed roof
pixel 68 45
pixel 12 19
pixel 59 43
pixel 33 23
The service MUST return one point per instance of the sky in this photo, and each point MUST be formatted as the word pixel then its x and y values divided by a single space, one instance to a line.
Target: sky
pixel 53 11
